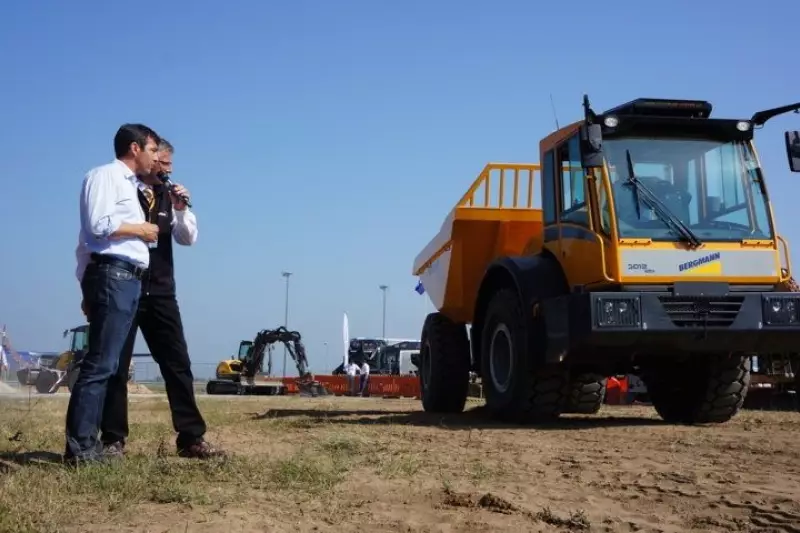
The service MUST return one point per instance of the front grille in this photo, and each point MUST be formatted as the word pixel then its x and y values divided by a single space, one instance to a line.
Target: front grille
pixel 702 311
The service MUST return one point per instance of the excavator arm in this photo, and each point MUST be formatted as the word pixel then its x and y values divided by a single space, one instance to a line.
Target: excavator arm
pixel 262 345
pixel 264 341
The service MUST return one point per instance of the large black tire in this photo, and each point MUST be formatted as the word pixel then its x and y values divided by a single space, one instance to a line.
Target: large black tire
pixel 444 365
pixel 587 393
pixel 517 386
pixel 710 390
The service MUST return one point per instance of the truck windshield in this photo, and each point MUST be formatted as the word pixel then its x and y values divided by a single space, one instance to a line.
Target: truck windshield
pixel 712 186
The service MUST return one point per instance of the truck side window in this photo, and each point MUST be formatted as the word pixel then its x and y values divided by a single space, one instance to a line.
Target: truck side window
pixel 548 185
pixel 573 180
pixel 602 200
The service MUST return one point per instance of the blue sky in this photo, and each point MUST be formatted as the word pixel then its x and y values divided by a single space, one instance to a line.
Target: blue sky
pixel 331 138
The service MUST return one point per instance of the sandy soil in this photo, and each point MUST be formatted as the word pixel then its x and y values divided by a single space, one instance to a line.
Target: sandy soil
pixel 354 464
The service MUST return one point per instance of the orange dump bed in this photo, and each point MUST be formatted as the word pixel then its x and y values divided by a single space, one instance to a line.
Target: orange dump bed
pixel 496 217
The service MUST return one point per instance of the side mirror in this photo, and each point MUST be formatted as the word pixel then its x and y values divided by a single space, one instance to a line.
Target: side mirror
pixel 592 149
pixel 793 150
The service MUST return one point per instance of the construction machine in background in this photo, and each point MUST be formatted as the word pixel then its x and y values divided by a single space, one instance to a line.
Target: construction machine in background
pixel 251 378
pixel 51 373
pixel 231 369
pixel 655 253
pixel 385 357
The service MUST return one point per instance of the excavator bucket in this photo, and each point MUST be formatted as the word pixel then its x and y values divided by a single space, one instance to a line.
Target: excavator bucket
pixel 311 387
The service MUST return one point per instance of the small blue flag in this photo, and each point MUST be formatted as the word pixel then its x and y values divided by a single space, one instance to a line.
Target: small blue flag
pixel 419 288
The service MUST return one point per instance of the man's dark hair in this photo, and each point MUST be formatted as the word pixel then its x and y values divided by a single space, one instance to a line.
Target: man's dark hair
pixel 132 133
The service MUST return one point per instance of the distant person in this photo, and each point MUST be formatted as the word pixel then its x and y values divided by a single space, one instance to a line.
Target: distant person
pixel 3 363
pixel 351 369
pixel 112 257
pixel 364 379
pixel 160 320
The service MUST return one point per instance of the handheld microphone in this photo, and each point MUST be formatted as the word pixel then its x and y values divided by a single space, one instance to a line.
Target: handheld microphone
pixel 166 181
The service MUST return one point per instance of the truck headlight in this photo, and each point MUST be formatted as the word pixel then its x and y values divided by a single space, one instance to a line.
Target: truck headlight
pixel 781 310
pixel 616 312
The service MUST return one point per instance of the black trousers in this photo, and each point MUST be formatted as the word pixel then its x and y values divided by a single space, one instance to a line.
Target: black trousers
pixel 162 329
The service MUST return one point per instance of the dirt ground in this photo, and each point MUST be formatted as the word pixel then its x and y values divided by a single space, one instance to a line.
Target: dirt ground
pixel 355 464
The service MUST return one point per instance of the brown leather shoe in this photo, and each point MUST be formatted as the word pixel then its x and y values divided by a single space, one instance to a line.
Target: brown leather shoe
pixel 115 450
pixel 201 450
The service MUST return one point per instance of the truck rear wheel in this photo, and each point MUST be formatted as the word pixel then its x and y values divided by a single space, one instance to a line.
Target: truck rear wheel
pixel 711 390
pixel 587 393
pixel 516 386
pixel 444 365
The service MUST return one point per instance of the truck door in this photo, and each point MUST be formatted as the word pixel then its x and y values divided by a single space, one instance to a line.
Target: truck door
pixel 577 243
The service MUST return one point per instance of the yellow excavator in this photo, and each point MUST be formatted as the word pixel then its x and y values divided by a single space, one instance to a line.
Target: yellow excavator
pixel 248 375
pixel 231 369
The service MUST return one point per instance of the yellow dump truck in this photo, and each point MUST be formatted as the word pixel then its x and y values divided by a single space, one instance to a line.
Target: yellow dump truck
pixel 654 252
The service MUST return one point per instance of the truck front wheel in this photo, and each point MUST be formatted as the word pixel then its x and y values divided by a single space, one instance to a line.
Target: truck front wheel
pixel 517 386
pixel 708 390
pixel 444 365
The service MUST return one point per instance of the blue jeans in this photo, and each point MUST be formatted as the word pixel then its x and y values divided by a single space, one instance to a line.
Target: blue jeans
pixel 111 295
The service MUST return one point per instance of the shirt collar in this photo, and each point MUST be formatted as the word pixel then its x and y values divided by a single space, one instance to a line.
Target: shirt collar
pixel 129 174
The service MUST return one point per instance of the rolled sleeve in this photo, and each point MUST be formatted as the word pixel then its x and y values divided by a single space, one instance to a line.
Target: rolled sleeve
pixel 99 201
pixel 184 227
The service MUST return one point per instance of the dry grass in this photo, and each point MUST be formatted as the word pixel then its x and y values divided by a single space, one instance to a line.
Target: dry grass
pixel 349 463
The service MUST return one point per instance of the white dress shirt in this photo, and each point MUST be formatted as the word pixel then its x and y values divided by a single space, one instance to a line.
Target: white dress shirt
pixel 184 223
pixel 109 199
pixel 184 227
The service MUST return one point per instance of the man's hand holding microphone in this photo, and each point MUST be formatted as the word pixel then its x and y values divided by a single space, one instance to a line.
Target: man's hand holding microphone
pixel 180 197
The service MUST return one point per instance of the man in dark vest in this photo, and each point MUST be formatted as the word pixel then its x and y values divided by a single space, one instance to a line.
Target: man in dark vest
pixel 159 318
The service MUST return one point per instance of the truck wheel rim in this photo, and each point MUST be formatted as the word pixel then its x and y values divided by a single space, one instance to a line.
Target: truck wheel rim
pixel 501 358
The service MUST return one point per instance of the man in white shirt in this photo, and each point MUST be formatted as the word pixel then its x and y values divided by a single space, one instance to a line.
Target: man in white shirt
pixel 3 362
pixel 364 378
pixel 159 318
pixel 112 257
pixel 351 369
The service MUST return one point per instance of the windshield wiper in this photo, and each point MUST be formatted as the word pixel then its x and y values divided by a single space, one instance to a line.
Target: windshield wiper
pixel 666 216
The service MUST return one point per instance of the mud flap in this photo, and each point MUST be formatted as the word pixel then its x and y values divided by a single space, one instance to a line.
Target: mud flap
pixel 556 322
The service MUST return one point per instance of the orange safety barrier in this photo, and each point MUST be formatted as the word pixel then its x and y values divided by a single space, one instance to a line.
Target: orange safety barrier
pixel 380 386
pixel 408 387
pixel 617 390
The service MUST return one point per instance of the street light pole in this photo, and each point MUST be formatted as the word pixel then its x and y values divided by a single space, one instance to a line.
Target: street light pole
pixel 286 275
pixel 383 288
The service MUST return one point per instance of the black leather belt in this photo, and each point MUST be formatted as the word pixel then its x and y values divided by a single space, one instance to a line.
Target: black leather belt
pixel 103 259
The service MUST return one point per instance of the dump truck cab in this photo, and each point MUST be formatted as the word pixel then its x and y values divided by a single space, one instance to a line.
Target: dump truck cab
pixel 670 194
pixel 655 252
